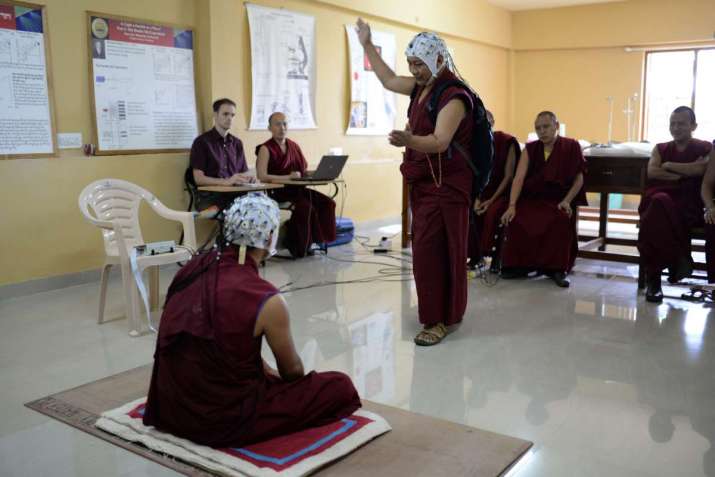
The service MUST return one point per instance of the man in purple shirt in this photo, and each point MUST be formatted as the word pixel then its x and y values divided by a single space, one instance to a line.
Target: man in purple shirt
pixel 217 157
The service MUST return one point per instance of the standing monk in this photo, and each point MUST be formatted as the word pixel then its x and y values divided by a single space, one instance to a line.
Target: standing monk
pixel 671 204
pixel 209 383
pixel 548 186
pixel 313 216
pixel 438 175
pixel 484 236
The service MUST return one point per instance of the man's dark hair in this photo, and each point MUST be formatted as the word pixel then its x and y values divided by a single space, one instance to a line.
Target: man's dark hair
pixel 220 102
pixel 549 114
pixel 686 109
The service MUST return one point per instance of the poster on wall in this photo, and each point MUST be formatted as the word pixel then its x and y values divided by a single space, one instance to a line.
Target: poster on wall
pixel 142 76
pixel 26 126
pixel 372 107
pixel 282 66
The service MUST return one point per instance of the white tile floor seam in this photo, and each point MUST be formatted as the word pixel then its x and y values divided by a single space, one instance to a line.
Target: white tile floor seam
pixel 602 382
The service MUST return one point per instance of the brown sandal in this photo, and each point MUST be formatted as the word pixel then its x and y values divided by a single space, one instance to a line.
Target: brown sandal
pixel 431 336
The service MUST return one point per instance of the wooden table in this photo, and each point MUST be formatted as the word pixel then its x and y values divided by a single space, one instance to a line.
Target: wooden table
pixel 306 183
pixel 239 189
pixel 605 175
pixel 612 175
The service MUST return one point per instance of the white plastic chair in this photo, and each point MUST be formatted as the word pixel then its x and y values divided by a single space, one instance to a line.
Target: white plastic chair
pixel 113 206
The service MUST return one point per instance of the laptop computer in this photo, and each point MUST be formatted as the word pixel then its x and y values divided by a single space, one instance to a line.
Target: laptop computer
pixel 328 169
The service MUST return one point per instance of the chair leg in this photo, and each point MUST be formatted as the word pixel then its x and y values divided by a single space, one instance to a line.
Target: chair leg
pixel 103 291
pixel 153 273
pixel 131 299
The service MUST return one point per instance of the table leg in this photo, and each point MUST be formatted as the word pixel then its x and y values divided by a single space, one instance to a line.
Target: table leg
pixel 603 220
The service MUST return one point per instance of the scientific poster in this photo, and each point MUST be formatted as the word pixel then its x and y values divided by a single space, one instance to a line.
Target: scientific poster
pixel 25 114
pixel 143 79
pixel 372 107
pixel 282 66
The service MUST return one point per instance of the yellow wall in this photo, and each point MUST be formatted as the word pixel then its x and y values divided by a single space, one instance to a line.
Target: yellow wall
pixel 43 233
pixel 570 59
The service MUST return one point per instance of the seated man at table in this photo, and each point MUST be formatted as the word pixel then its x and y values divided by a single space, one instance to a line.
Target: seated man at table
pixel 209 383
pixel 484 234
pixel 671 204
pixel 541 216
pixel 313 216
pixel 217 157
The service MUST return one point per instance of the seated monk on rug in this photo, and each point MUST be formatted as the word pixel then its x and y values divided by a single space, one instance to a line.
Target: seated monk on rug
pixel 484 234
pixel 209 383
pixel 313 216
pixel 671 204
pixel 541 217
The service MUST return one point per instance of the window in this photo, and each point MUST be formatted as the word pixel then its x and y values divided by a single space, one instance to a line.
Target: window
pixel 679 78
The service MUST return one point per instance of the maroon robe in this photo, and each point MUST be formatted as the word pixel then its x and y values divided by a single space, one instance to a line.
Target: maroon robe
pixel 313 216
pixel 542 237
pixel 484 232
pixel 669 209
pixel 209 385
pixel 440 214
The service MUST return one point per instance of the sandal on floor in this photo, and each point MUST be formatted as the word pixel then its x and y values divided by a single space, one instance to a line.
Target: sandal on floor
pixel 695 295
pixel 431 336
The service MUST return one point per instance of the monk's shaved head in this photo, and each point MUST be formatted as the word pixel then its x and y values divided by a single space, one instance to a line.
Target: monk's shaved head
pixel 278 126
pixel 687 110
pixel 548 114
pixel 278 116
pixel 546 127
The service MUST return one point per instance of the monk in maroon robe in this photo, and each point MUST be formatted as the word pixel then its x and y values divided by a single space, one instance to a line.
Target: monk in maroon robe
pixel 708 196
pixel 440 180
pixel 485 231
pixel 671 204
pixel 313 217
pixel 548 186
pixel 209 383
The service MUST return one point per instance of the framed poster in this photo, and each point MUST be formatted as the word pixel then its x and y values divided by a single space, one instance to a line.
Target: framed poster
pixel 143 85
pixel 27 126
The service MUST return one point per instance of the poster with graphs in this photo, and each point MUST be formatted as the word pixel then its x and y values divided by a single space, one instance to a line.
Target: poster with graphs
pixel 143 84
pixel 282 66
pixel 26 126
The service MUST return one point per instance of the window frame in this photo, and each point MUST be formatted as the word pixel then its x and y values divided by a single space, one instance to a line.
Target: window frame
pixel 694 95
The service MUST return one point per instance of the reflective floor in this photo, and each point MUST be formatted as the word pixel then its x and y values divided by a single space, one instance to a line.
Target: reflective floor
pixel 603 383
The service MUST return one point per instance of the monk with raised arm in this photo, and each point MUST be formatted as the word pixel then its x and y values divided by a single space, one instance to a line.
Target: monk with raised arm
pixel 438 175
pixel 541 215
pixel 485 235
pixel 312 219
pixel 209 383
pixel 671 204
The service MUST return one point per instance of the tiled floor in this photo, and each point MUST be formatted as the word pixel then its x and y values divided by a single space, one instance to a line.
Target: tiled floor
pixel 603 383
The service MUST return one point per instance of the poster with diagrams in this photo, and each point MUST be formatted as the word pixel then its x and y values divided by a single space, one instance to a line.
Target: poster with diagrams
pixel 282 66
pixel 26 126
pixel 372 107
pixel 144 86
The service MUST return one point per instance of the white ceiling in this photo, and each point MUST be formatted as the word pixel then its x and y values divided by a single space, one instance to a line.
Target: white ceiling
pixel 536 4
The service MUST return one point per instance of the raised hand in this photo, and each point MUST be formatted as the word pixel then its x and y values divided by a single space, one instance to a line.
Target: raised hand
pixel 363 31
